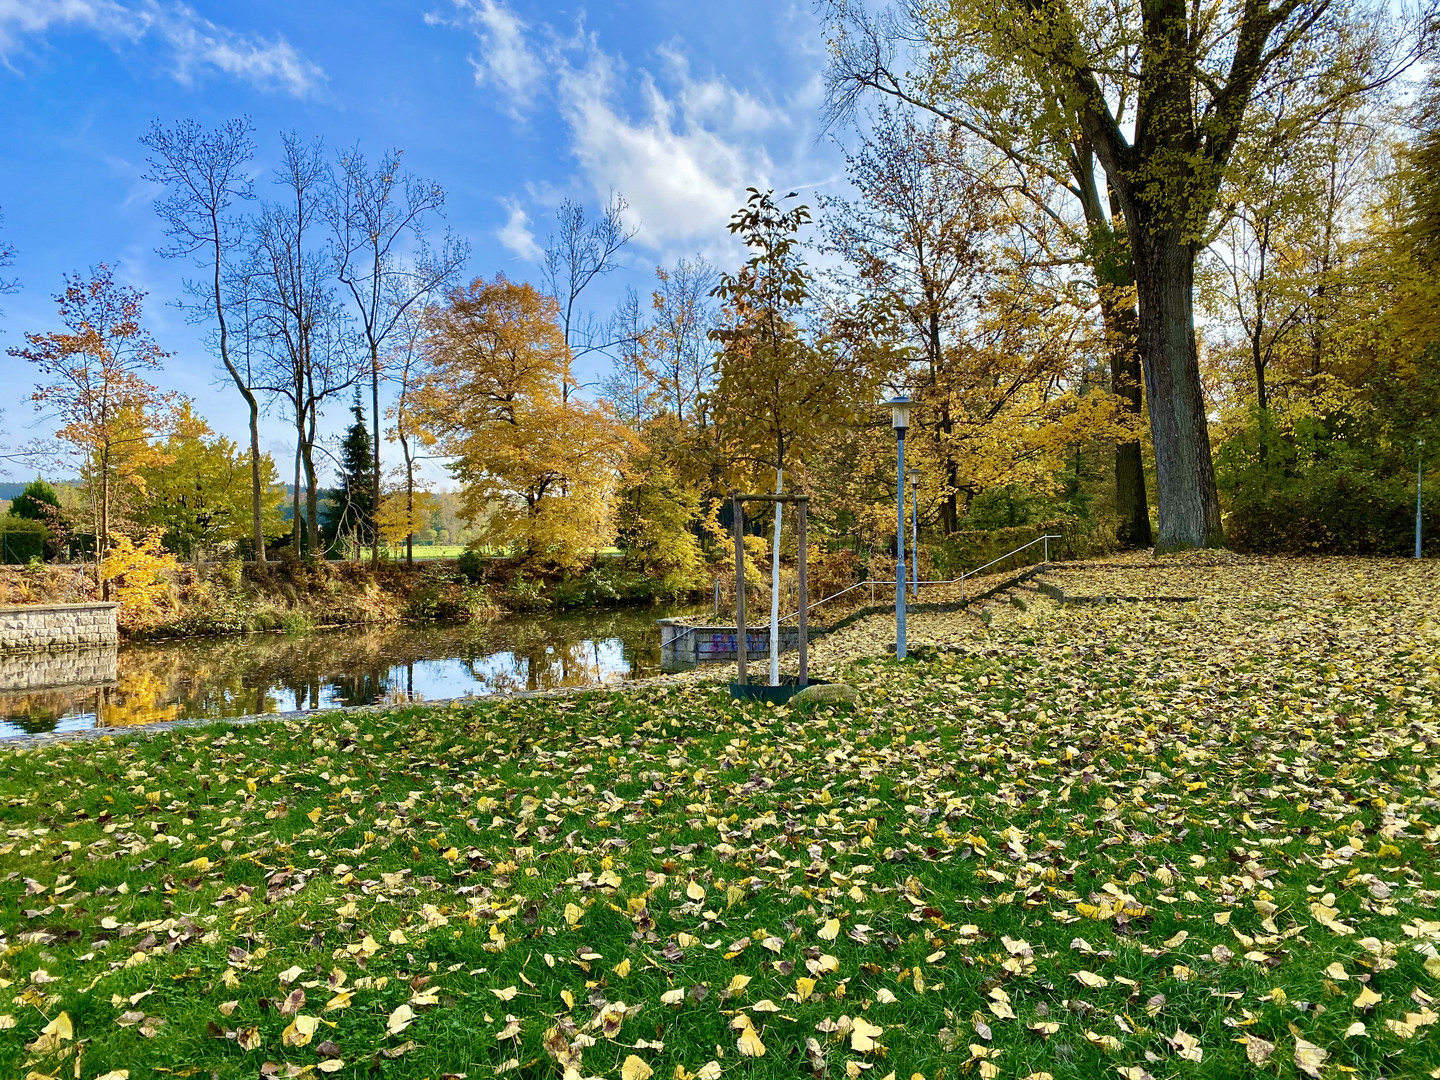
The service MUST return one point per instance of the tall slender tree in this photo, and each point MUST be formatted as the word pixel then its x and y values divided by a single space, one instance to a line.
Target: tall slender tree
pixel 204 173
pixel 780 391
pixel 581 250
pixel 295 319
pixel 380 218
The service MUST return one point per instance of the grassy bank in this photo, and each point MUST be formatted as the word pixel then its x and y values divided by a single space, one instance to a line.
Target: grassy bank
pixel 1130 839
pixel 229 598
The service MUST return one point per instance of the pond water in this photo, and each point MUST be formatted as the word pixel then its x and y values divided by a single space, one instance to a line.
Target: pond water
pixel 259 673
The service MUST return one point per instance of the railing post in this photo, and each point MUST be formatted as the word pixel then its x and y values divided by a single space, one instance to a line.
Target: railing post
pixel 1047 551
pixel 803 506
pixel 740 650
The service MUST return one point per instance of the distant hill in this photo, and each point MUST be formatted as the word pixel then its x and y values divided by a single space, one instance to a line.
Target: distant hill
pixel 10 489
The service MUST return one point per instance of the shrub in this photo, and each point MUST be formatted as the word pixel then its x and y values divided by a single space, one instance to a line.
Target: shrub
pixel 140 577
pixel 21 539
pixel 472 566
pixel 1327 485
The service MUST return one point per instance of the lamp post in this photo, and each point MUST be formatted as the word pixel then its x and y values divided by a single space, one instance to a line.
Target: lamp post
pixel 1419 485
pixel 914 475
pixel 900 421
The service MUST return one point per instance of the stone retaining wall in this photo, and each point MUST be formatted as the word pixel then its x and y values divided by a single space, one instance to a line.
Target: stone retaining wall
pixel 57 626
pixel 51 668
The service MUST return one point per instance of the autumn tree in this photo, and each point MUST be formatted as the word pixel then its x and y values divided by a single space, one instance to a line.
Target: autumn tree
pixel 913 241
pixel 204 173
pixel 1162 96
pixel 404 513
pixel 380 219
pixel 93 381
pixel 198 494
pixel 781 390
pixel 537 470
pixel 1051 167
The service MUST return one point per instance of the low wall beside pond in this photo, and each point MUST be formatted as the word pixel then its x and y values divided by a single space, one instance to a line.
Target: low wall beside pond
pixel 30 627
pixel 46 669
pixel 683 642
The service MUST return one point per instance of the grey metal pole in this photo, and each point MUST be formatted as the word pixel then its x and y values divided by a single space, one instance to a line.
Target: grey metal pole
pixel 900 545
pixel 1419 486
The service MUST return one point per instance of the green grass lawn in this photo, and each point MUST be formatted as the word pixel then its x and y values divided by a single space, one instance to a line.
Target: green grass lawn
pixel 1176 840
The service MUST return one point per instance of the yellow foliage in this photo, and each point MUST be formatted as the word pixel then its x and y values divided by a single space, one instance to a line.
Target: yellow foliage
pixel 400 516
pixel 139 577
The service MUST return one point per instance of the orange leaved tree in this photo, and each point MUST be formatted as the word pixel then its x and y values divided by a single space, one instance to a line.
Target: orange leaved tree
pixel 92 381
pixel 537 471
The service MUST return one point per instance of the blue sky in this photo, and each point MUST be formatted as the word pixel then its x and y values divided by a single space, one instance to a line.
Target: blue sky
pixel 512 105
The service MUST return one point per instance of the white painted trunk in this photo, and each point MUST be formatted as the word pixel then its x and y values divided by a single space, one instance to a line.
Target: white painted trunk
pixel 775 585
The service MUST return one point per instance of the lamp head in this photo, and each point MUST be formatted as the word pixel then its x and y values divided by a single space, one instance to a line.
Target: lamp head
pixel 899 412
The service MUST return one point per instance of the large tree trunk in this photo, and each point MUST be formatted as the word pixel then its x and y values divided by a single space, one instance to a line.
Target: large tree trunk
pixel 1184 472
pixel 1122 331
pixel 257 505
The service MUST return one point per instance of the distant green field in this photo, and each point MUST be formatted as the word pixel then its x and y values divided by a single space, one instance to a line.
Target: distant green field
pixel 430 551
pixel 452 551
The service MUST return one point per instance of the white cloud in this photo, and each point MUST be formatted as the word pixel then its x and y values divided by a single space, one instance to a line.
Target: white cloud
pixel 193 41
pixel 681 148
pixel 506 61
pixel 682 177
pixel 516 234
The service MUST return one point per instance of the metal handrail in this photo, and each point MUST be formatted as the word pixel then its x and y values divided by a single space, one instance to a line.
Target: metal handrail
pixel 947 581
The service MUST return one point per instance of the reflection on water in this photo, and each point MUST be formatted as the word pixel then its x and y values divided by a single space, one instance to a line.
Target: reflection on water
pixel 240 676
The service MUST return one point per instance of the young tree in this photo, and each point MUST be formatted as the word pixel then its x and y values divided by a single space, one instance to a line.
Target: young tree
pixel 680 334
pixel 357 508
pixel 204 173
pixel 92 380
pixel 537 471
pixel 375 217
pixel 403 514
pixel 780 392
pixel 287 290
pixel 581 250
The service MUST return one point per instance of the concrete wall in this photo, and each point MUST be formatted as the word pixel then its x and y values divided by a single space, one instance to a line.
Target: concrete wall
pixel 50 668
pixel 57 626
pixel 687 644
